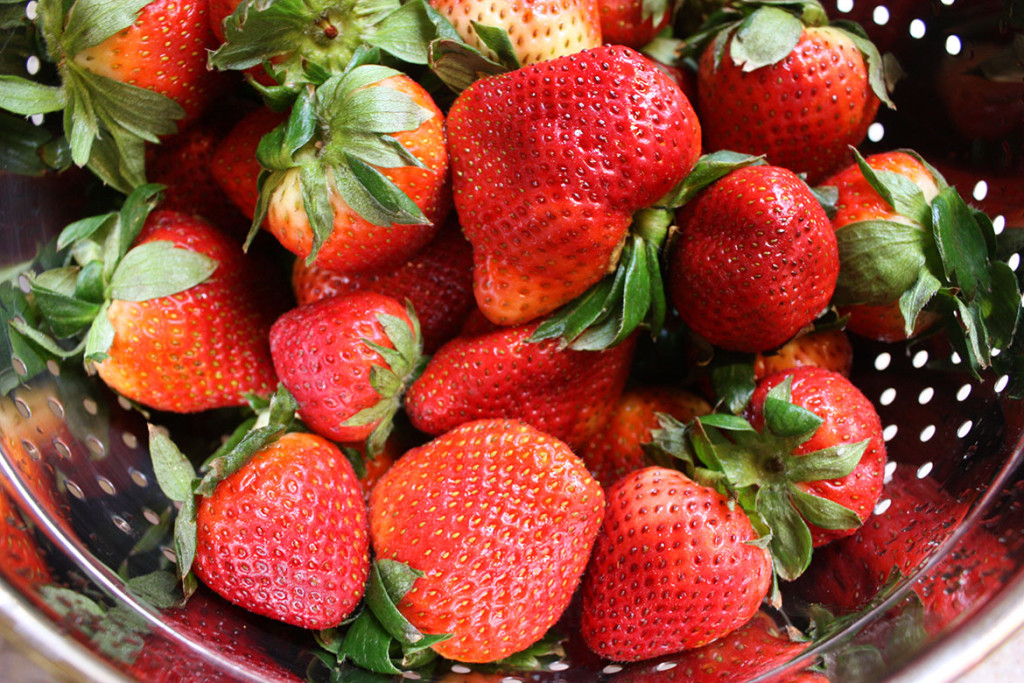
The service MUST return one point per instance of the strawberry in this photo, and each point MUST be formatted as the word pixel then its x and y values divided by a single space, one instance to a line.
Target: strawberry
pixel 123 82
pixel 633 23
pixel 234 166
pixel 184 164
pixel 731 284
pixel 23 564
pixel 166 307
pixel 286 535
pixel 535 149
pixel 675 567
pixel 220 626
pixel 829 349
pixel 787 85
pixel 847 417
pixel 565 393
pixel 920 519
pixel 347 360
pixel 617 448
pixel 204 347
pixel 913 252
pixel 368 145
pixel 500 519
pixel 537 30
pixel 437 281
pixel 759 649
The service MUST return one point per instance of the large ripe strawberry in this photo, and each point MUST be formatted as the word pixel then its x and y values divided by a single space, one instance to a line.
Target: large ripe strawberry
pixel 787 85
pixel 617 448
pixel 127 76
pixel 356 178
pixel 912 253
pixel 566 393
pixel 807 462
pixel 537 29
pixel 437 281
pixel 286 535
pixel 847 418
pixel 754 261
pixel 274 521
pixel 551 161
pixel 166 306
pixel 347 360
pixel 500 518
pixel 676 566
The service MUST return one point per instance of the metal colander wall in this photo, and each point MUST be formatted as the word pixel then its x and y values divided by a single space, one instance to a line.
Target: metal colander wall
pixel 84 510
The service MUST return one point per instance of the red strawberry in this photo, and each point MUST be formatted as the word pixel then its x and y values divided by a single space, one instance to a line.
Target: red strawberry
pixel 500 518
pixel 848 418
pixel 437 281
pixel 140 54
pixel 918 520
pixel 617 448
pixel 913 251
pixel 792 88
pixel 234 165
pixel 204 347
pixel 378 202
pixel 286 535
pixel 633 23
pixel 184 164
pixel 750 652
pixel 551 161
pixel 565 393
pixel 674 567
pixel 537 29
pixel 733 284
pixel 126 77
pixel 229 631
pixel 346 360
pixel 829 349
pixel 21 559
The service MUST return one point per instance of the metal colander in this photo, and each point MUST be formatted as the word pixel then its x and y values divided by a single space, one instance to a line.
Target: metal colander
pixel 84 512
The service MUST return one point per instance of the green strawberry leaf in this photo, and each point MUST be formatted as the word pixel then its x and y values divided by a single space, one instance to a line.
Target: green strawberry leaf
pixel 90 22
pixel 20 360
pixel 900 192
pixel 822 512
pixel 55 295
pixel 100 336
pixel 158 269
pixel 764 38
pixel 27 149
pixel 784 418
pixel 388 583
pixel 406 33
pixel 459 65
pixel 83 229
pixel 732 378
pixel 572 319
pixel 791 544
pixel 25 97
pixel 961 243
pixel 708 169
pixel 497 41
pixel 826 464
pixel 913 301
pixel 185 543
pixel 880 260
pixel 174 472
pixel 368 644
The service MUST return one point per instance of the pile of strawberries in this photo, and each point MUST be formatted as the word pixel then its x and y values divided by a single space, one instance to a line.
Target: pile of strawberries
pixel 494 216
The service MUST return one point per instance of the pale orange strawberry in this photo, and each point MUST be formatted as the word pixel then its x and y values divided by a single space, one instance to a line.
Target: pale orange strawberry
pixel 537 29
pixel 829 349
